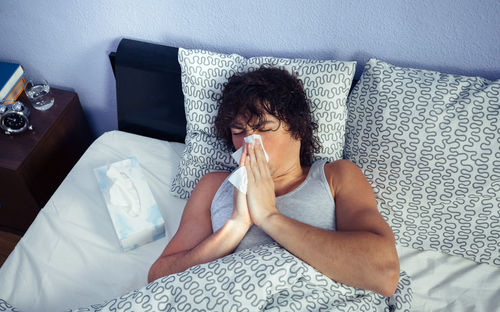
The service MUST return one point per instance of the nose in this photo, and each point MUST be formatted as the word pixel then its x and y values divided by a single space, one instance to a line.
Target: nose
pixel 239 141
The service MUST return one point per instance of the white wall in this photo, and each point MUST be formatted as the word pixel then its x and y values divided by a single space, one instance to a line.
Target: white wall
pixel 69 41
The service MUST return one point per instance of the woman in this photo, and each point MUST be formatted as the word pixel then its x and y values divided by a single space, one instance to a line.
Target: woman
pixel 323 213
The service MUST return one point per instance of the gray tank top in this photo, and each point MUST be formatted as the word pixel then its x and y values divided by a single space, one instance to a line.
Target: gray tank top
pixel 311 202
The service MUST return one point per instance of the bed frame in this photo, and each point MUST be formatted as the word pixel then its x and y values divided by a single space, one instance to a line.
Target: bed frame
pixel 149 90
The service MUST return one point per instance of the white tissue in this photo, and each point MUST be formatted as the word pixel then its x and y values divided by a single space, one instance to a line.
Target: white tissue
pixel 239 178
pixel 123 192
pixel 249 139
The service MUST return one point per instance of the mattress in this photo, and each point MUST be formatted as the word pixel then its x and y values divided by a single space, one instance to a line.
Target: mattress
pixel 70 257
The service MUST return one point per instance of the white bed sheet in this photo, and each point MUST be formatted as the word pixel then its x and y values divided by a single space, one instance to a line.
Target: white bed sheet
pixel 70 256
pixel 443 282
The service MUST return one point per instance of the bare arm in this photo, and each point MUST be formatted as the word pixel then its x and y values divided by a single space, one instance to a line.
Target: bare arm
pixel 194 242
pixel 360 253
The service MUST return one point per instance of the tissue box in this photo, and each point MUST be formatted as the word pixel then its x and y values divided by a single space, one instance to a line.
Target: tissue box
pixel 131 205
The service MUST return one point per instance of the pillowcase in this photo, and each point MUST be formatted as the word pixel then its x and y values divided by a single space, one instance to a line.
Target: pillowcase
pixel 326 83
pixel 429 143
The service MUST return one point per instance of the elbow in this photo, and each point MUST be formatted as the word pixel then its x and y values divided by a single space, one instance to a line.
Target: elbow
pixel 389 278
pixel 165 265
pixel 152 273
pixel 389 269
pixel 155 271
pixel 168 264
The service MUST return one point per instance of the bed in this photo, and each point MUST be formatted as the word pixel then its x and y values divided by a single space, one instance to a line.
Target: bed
pixel 70 256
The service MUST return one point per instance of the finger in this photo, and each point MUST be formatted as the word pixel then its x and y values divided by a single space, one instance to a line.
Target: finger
pixel 260 158
pixel 259 151
pixel 243 155
pixel 251 162
pixel 238 195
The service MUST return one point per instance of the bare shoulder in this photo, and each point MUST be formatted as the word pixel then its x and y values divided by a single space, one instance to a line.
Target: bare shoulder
pixel 342 172
pixel 211 182
pixel 201 198
pixel 341 166
pixel 195 224
pixel 356 206
pixel 203 194
pixel 215 176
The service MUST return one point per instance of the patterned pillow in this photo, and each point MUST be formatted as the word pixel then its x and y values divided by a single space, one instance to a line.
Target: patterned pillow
pixel 429 143
pixel 326 83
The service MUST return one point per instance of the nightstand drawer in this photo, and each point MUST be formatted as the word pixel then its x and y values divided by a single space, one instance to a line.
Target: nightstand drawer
pixel 17 209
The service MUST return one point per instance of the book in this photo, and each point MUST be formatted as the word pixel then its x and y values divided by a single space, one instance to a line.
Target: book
pixel 133 210
pixel 12 82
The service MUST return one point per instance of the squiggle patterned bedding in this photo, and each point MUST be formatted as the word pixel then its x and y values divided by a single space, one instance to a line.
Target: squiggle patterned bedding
pixel 263 278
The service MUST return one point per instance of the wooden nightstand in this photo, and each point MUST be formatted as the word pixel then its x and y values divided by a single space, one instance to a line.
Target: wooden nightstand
pixel 34 163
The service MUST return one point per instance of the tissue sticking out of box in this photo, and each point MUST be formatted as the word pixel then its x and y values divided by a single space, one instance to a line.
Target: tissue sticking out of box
pixel 239 178
pixel 123 192
pixel 130 203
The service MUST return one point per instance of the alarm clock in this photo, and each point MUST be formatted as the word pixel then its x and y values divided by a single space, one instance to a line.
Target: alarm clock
pixel 14 118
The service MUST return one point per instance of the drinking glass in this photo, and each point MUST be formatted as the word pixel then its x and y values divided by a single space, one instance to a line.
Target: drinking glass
pixel 38 93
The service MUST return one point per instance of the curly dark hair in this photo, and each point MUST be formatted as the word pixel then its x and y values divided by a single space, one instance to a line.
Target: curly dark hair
pixel 268 90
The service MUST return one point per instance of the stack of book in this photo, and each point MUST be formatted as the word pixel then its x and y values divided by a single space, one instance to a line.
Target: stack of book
pixel 12 82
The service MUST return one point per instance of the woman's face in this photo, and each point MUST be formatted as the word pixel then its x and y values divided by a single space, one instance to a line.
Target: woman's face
pixel 283 149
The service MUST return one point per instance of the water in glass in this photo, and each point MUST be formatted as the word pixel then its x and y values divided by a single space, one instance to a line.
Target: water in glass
pixel 39 95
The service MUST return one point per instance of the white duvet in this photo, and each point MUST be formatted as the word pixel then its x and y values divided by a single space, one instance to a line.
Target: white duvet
pixel 71 257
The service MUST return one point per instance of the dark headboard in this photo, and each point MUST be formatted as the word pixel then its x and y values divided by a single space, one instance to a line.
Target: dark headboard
pixel 149 90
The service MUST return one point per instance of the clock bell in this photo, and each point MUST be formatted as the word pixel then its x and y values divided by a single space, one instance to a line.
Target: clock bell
pixel 14 118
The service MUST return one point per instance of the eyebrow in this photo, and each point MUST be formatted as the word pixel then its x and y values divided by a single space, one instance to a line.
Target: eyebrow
pixel 238 125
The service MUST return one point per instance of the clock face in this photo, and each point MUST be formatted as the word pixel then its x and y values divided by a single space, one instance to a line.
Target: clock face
pixel 14 121
pixel 14 118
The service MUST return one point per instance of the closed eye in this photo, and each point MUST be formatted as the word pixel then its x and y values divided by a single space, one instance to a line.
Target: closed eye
pixel 237 131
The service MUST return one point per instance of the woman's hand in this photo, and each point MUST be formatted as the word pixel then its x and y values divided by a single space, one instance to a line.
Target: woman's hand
pixel 260 192
pixel 240 210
